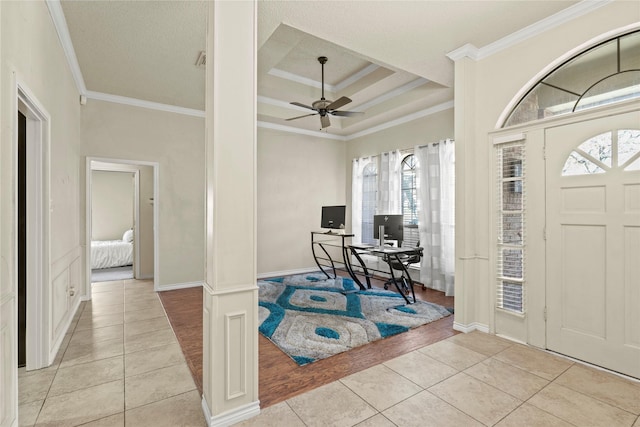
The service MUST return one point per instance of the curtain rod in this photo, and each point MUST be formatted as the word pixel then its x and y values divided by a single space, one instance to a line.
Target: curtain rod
pixel 435 143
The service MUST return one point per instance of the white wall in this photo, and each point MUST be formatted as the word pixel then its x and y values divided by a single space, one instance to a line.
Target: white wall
pixel 31 52
pixel 176 143
pixel 484 90
pixel 111 204
pixel 297 175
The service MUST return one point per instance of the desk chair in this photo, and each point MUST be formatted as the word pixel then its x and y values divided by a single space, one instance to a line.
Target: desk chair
pixel 402 264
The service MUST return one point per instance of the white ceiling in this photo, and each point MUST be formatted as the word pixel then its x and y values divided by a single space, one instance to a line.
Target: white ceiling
pixel 389 57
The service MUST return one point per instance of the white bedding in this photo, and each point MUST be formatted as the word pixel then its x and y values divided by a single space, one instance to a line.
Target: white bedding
pixel 111 253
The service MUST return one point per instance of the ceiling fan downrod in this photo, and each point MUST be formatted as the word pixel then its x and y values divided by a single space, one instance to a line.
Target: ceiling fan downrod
pixel 322 60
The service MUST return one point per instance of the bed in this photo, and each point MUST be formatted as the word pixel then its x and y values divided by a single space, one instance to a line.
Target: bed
pixel 112 253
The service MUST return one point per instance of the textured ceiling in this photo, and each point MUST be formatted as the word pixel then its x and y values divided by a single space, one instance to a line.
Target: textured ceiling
pixel 389 57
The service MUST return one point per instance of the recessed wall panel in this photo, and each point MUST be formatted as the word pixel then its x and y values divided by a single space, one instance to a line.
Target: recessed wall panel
pixel 236 354
pixel 59 303
pixel 584 199
pixel 583 284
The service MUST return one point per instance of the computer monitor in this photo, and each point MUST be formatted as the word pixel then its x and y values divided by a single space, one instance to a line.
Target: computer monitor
pixel 333 217
pixel 393 227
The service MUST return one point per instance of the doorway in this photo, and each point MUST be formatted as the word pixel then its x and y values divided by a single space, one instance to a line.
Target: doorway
pixel 593 241
pixel 22 240
pixel 145 214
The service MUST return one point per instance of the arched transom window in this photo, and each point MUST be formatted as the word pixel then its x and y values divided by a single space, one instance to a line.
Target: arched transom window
pixel 604 74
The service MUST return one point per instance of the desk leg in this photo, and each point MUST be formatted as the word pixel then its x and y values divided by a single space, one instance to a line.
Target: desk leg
pixel 407 282
pixel 315 258
pixel 352 273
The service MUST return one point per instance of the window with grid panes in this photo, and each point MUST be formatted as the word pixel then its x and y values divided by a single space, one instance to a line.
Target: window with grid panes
pixel 410 207
pixel 369 191
pixel 511 226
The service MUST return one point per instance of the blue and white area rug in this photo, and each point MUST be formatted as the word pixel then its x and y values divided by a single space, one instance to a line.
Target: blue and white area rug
pixel 310 317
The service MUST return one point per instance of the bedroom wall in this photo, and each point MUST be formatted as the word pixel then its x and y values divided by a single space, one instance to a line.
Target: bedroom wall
pixel 297 175
pixel 111 204
pixel 484 89
pixel 176 143
pixel 36 59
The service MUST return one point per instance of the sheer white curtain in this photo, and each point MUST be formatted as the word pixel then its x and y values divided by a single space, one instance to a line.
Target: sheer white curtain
pixel 389 177
pixel 436 196
pixel 357 170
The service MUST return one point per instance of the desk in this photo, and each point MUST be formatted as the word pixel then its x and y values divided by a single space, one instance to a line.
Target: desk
pixel 392 256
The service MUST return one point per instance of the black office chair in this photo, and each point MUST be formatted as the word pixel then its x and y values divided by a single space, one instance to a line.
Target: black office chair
pixel 401 263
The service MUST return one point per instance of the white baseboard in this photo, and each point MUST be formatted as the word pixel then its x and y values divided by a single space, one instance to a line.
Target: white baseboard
pixel 287 272
pixel 471 327
pixel 53 351
pixel 175 286
pixel 231 417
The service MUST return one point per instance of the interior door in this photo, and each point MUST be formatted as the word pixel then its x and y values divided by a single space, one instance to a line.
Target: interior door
pixel 593 241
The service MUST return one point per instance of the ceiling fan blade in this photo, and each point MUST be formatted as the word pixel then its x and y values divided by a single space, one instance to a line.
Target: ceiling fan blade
pixel 299 117
pixel 346 113
pixel 302 105
pixel 325 122
pixel 338 103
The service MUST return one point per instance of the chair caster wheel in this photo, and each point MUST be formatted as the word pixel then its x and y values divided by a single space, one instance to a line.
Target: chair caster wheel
pixel 386 287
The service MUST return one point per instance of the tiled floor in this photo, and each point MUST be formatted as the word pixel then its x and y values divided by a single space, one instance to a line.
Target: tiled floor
pixel 467 380
pixel 121 366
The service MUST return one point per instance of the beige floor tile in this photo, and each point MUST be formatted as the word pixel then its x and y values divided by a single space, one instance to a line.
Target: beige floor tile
pixel 481 401
pixel 83 353
pixel 108 298
pixel 116 420
pixel 100 321
pixel 149 340
pixel 147 304
pixel 85 375
pixel 145 326
pixel 482 343
pixel 274 416
pixel 536 361
pixel 420 368
pixel 381 387
pixel 453 354
pixel 604 386
pixel 34 385
pixel 518 383
pixel 152 359
pixel 184 410
pixel 157 385
pixel 530 416
pixel 116 285
pixel 28 413
pixel 425 409
pixel 101 309
pixel 376 421
pixel 333 405
pixel 136 316
pixel 82 406
pixel 94 335
pixel 130 297
pixel 579 409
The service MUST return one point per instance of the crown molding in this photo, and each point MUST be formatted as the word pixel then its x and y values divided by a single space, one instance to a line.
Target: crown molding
pixel 99 96
pixel 291 129
pixel 546 24
pixel 318 84
pixel 393 93
pixel 60 24
pixel 408 118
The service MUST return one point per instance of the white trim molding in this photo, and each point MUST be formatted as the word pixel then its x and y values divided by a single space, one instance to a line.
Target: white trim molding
pixel 291 129
pixel 475 326
pixel 232 417
pixel 267 275
pixel 546 24
pixel 318 84
pixel 175 286
pixel 117 99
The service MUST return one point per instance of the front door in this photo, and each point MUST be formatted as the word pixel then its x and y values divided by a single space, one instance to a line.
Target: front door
pixel 593 241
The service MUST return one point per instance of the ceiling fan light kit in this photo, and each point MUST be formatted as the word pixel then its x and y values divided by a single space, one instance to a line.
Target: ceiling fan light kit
pixel 323 107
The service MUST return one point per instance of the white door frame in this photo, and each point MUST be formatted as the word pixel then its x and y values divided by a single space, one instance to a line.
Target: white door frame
pixel 125 166
pixel 38 217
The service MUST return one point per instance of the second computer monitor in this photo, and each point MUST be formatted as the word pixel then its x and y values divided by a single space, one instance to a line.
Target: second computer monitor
pixel 393 227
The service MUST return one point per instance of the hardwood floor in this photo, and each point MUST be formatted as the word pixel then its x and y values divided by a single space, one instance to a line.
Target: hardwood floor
pixel 280 377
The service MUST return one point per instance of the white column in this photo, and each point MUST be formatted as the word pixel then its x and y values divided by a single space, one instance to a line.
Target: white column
pixel 230 309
